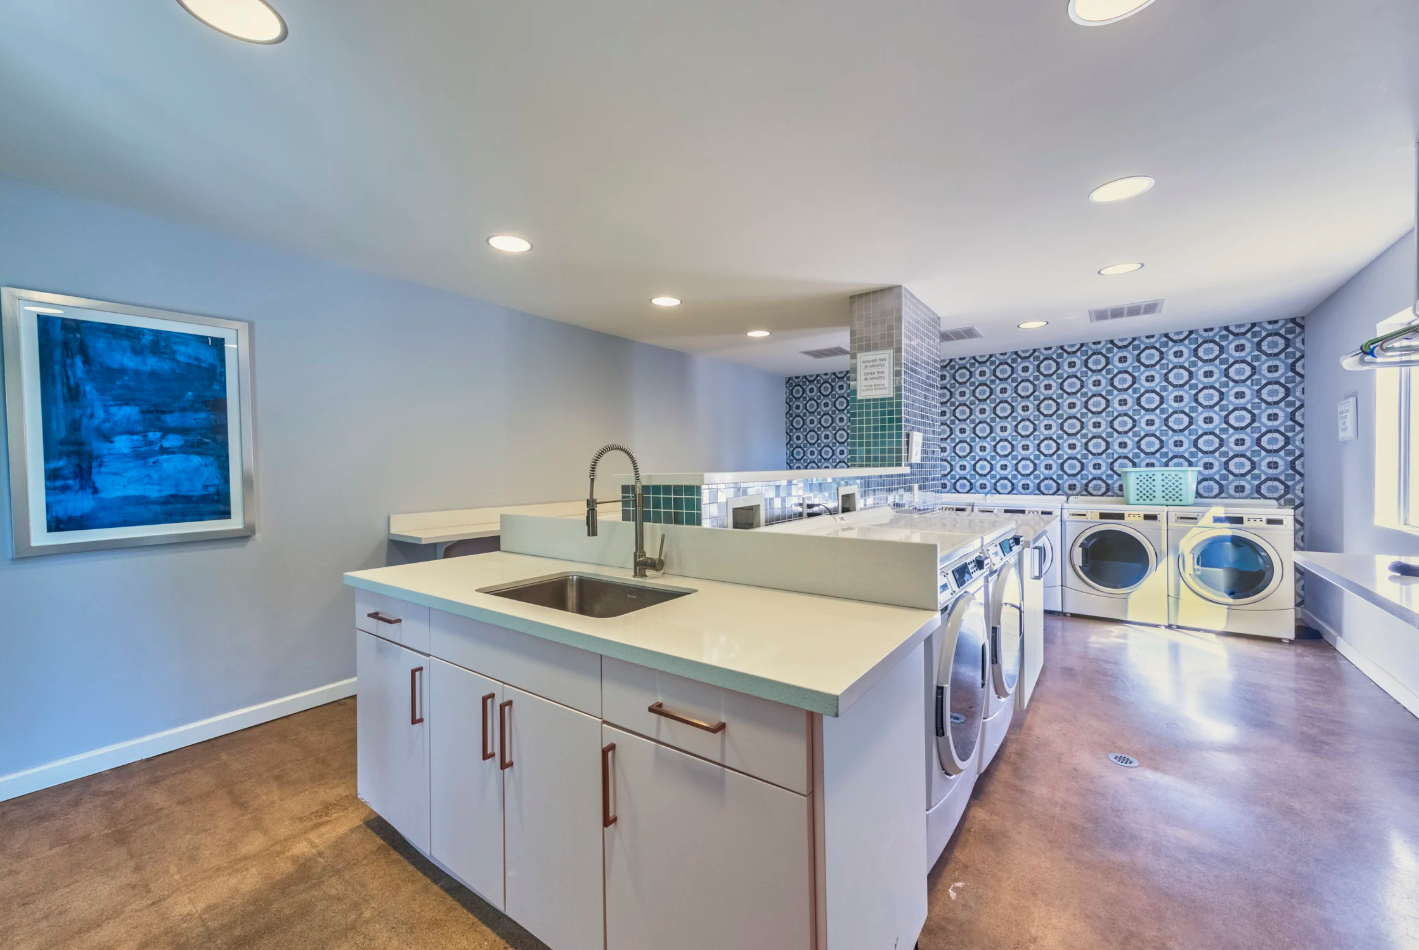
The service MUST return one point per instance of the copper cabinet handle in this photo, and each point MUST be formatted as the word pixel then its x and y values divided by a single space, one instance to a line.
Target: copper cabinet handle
pixel 416 698
pixel 660 710
pixel 607 818
pixel 383 619
pixel 504 762
pixel 488 701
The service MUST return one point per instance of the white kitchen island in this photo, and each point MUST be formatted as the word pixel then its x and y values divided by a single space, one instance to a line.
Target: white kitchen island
pixel 739 767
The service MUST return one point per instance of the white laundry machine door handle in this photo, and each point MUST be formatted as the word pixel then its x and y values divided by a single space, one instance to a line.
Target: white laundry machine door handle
pixel 1037 563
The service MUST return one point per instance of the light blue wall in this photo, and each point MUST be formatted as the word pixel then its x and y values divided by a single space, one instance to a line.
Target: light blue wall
pixel 1340 476
pixel 372 396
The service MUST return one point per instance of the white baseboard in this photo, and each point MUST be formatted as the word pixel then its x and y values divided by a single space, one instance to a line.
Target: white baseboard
pixel 1401 693
pixel 122 753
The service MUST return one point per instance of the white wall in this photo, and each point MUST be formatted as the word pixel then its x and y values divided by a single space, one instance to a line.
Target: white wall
pixel 1340 476
pixel 372 396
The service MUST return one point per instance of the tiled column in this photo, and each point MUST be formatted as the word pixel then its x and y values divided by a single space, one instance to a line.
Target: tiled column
pixel 894 320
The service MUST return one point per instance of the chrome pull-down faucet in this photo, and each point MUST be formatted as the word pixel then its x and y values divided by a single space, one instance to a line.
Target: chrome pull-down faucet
pixel 641 561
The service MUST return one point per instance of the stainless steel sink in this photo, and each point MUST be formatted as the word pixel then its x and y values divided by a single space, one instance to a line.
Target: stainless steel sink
pixel 587 594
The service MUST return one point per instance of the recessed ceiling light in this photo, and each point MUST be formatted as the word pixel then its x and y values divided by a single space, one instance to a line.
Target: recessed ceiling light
pixel 510 243
pixel 49 310
pixel 758 333
pixel 1034 324
pixel 1102 12
pixel 1121 189
pixel 1113 270
pixel 250 20
pixel 665 301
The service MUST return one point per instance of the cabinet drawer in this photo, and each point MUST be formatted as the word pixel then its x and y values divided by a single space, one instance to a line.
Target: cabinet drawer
pixel 397 620
pixel 551 670
pixel 761 738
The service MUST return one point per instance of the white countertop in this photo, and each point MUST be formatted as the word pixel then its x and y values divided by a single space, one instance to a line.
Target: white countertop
pixel 816 653
pixel 726 478
pixel 952 533
pixel 462 524
pixel 1368 576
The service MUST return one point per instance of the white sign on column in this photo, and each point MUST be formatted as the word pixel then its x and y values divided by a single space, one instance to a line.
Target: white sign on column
pixel 1348 418
pixel 874 375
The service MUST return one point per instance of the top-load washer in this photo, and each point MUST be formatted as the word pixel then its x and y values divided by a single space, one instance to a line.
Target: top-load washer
pixel 962 503
pixel 1231 569
pixel 1048 564
pixel 1116 560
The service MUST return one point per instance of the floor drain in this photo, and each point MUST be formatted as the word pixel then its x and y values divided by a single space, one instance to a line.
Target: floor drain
pixel 1127 761
pixel 957 718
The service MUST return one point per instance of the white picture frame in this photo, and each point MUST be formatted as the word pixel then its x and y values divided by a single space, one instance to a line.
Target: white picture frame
pixel 140 460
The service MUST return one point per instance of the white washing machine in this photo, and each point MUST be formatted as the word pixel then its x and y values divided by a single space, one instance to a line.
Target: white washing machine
pixel 1051 544
pixel 1005 588
pixel 1116 560
pixel 956 671
pixel 1231 569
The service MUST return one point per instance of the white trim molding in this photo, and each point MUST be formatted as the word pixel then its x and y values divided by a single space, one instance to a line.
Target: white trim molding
pixel 101 760
pixel 1405 696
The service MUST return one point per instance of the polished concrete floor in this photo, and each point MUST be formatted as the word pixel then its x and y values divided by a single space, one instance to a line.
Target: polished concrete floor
pixel 1277 806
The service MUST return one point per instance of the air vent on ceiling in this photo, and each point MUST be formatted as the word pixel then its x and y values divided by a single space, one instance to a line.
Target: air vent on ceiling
pixel 1145 309
pixel 827 352
pixel 960 333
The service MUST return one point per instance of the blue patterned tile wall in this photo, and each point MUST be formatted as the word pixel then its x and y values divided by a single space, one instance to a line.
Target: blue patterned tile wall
pixel 1063 420
pixel 816 420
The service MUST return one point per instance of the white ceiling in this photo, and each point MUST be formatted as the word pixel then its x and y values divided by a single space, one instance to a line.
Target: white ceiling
pixel 763 161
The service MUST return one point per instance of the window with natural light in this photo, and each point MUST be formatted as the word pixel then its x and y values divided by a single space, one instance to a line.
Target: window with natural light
pixel 1397 441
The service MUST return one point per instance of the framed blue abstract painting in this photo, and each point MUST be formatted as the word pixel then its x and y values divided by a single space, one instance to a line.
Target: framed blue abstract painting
pixel 127 426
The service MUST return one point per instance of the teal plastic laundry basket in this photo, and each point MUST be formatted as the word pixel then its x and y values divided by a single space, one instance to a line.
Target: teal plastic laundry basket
pixel 1160 486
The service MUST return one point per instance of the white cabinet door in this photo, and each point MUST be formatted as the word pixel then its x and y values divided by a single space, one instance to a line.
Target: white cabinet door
pixel 466 790
pixel 392 735
pixel 700 857
pixel 552 823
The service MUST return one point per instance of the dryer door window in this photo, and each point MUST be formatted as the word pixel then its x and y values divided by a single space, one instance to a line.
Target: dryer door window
pixel 961 684
pixel 1230 568
pixel 1113 559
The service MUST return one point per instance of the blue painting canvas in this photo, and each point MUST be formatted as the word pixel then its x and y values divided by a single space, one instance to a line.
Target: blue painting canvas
pixel 135 425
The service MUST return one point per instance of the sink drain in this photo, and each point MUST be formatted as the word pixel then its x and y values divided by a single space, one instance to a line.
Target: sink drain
pixel 1127 761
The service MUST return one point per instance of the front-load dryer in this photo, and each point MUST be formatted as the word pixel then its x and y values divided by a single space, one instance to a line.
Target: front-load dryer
pixel 956 668
pixel 1116 560
pixel 1048 564
pixel 1231 569
pixel 1005 588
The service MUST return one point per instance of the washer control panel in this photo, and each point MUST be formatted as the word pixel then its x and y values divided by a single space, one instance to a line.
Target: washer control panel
pixel 1213 520
pixel 959 575
pixel 1111 515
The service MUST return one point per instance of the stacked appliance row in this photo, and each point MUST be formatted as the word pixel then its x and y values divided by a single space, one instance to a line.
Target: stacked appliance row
pixel 973 664
pixel 1226 567
pixel 973 661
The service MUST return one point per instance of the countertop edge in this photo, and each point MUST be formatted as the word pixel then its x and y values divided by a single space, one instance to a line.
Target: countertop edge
pixel 1305 562
pixel 827 704
pixel 451 533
